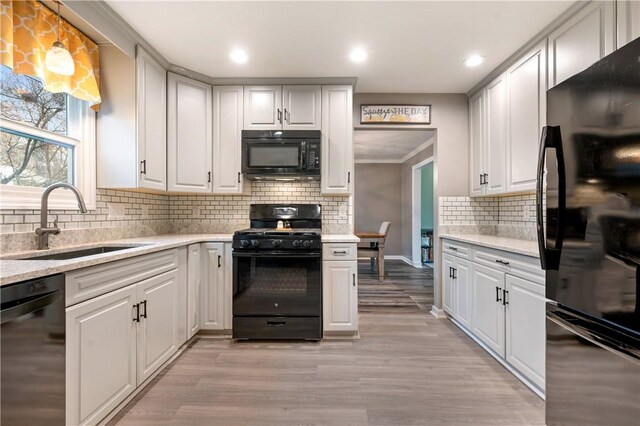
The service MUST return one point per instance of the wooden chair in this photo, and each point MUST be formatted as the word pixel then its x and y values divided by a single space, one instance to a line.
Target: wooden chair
pixel 375 251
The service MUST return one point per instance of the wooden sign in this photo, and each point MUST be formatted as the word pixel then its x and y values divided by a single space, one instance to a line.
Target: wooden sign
pixel 395 114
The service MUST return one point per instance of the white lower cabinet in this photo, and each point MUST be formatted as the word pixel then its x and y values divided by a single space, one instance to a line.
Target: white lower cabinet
pixel 340 295
pixel 456 295
pixel 213 287
pixel 488 311
pixel 101 333
pixel 194 281
pixel 158 329
pixel 504 311
pixel 525 328
pixel 117 340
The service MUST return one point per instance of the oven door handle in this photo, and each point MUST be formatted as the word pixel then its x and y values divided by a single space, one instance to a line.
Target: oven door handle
pixel 278 254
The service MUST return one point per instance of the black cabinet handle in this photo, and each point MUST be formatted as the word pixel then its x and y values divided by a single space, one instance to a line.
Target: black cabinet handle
pixel 276 323
pixel 450 272
pixel 209 177
pixel 287 116
pixel 505 293
pixel 143 167
pixel 354 280
pixel 486 178
pixel 498 299
pixel 238 177
pixel 136 318
pixel 219 261
pixel 481 179
pixel 454 273
pixel 144 314
pixel 502 262
pixel 279 116
pixel 348 177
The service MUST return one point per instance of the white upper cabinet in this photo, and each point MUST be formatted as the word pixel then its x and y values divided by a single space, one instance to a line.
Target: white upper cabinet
pixel 477 142
pixel 628 20
pixel 302 107
pixel 151 112
pixel 494 178
pixel 526 116
pixel 227 138
pixel 263 108
pixel 581 41
pixel 337 140
pixel 189 135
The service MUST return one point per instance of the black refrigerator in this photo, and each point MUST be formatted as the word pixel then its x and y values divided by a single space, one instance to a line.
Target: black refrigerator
pixel 589 239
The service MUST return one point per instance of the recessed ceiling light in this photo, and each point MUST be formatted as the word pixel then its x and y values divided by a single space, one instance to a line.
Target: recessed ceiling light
pixel 239 56
pixel 473 61
pixel 358 55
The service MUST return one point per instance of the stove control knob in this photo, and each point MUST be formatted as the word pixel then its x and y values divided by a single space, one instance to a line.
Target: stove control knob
pixel 277 243
pixel 295 243
pixel 307 244
pixel 244 243
pixel 255 243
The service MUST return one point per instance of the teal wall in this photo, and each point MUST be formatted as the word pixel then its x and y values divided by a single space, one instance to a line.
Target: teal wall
pixel 426 198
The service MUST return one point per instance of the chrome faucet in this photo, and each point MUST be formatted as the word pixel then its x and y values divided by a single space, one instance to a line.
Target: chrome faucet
pixel 44 231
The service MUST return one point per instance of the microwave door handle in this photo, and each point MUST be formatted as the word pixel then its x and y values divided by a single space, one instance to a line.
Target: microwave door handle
pixel 303 155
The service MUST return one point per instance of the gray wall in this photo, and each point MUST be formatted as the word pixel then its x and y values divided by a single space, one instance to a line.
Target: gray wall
pixel 450 119
pixel 426 197
pixel 378 198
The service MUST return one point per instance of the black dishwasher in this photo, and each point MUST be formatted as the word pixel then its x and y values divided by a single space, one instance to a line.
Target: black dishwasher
pixel 33 352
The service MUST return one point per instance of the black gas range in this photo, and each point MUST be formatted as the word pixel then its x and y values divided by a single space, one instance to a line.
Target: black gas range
pixel 277 273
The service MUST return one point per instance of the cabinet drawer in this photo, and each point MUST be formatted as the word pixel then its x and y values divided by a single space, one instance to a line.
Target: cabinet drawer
pixel 90 282
pixel 340 251
pixel 525 267
pixel 455 248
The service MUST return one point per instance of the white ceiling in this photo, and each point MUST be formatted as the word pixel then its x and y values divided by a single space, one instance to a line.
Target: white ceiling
pixel 390 145
pixel 414 47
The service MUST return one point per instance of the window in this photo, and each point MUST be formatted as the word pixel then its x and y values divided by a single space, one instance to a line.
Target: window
pixel 45 138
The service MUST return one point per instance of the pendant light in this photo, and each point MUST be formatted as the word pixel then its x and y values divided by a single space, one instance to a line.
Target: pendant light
pixel 58 59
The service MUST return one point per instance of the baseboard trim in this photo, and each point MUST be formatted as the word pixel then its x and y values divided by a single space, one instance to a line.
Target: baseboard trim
pixel 437 312
pixel 500 360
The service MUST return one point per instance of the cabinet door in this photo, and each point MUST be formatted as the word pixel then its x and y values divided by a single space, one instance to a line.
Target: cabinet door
pixel 263 108
pixel 212 317
pixel 525 328
pixel 302 107
pixel 227 138
pixel 337 140
pixel 495 166
pixel 584 39
pixel 340 295
pixel 526 116
pixel 158 330
pixel 448 289
pixel 100 355
pixel 488 311
pixel 194 273
pixel 477 143
pixel 462 282
pixel 628 20
pixel 189 135
pixel 151 114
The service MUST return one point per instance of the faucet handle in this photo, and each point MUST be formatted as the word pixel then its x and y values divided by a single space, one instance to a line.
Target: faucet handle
pixel 55 226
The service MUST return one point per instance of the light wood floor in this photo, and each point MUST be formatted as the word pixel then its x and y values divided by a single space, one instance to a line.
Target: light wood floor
pixel 408 369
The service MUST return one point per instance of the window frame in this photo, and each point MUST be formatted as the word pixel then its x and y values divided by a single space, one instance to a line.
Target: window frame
pixel 81 134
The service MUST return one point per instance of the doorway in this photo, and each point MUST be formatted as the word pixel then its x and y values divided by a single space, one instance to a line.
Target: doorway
pixel 423 214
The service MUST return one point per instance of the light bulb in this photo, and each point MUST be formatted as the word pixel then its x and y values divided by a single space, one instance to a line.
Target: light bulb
pixel 59 60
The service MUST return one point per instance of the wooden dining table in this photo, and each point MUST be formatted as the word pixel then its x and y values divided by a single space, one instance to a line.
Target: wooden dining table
pixel 380 240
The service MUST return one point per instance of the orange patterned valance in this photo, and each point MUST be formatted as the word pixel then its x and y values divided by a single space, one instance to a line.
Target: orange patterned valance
pixel 28 31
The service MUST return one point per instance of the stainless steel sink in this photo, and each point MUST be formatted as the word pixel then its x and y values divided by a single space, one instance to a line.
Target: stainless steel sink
pixel 74 254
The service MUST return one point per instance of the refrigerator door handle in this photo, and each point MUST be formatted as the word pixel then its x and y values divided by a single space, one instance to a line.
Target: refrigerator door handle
pixel 551 139
pixel 598 339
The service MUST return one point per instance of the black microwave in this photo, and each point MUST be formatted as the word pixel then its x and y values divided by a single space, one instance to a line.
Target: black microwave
pixel 281 154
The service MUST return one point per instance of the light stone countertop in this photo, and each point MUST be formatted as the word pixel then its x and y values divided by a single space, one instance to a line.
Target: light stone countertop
pixel 525 247
pixel 12 270
pixel 340 238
